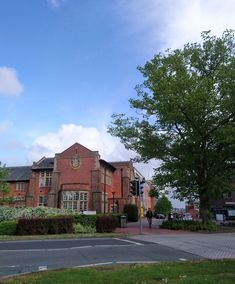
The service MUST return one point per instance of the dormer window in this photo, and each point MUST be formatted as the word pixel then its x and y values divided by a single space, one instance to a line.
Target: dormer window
pixel 45 178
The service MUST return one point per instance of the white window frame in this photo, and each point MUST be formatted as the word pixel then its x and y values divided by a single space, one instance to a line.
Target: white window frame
pixel 75 200
pixel 20 186
pixel 45 178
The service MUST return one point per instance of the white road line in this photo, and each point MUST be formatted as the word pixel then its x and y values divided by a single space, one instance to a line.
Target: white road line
pixel 93 264
pixel 182 259
pixel 41 268
pixel 128 241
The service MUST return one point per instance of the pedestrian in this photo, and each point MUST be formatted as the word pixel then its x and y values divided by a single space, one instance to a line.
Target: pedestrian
pixel 149 216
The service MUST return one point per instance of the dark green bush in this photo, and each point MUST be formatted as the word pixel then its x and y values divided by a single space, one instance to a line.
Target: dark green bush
pixel 105 224
pixel 8 227
pixel 131 211
pixel 43 226
pixel 188 225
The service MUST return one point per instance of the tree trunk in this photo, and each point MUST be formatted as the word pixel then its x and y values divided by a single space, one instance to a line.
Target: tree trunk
pixel 205 208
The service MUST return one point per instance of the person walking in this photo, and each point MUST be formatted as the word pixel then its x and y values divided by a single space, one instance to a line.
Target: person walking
pixel 149 216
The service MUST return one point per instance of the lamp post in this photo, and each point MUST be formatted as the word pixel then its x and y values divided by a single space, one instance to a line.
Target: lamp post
pixel 113 193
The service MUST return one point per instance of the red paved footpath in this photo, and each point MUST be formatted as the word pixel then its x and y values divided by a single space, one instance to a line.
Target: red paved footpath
pixel 133 228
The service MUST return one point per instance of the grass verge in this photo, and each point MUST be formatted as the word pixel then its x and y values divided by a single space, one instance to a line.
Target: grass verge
pixel 198 272
pixel 59 236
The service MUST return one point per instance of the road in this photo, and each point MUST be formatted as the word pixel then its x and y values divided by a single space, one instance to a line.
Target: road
pixel 27 256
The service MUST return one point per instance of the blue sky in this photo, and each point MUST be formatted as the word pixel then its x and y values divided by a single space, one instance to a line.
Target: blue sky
pixel 67 65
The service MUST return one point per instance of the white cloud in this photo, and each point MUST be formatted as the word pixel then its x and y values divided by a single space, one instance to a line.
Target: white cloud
pixel 170 23
pixel 109 147
pixel 9 82
pixel 90 137
pixel 55 3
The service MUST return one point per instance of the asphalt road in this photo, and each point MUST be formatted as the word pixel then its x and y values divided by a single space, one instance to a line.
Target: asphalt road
pixel 18 257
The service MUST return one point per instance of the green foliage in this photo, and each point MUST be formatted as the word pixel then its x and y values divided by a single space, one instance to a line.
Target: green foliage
pixel 163 206
pixel 83 229
pixel 85 220
pixel 186 118
pixel 14 213
pixel 4 186
pixel 189 225
pixel 44 226
pixel 105 224
pixel 154 193
pixel 131 211
pixel 8 227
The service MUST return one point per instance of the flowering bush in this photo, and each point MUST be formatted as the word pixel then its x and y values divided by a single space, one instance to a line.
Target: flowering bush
pixel 14 213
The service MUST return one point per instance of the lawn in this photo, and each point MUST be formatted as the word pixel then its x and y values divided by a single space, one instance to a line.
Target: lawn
pixel 204 272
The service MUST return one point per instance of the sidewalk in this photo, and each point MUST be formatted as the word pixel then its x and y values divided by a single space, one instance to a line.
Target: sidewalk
pixel 133 228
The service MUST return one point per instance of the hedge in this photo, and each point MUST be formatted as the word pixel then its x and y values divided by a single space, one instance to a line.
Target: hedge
pixel 188 225
pixel 90 220
pixel 44 226
pixel 105 224
pixel 8 227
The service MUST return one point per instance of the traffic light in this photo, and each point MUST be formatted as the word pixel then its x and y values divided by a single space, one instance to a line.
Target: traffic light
pixel 142 184
pixel 133 188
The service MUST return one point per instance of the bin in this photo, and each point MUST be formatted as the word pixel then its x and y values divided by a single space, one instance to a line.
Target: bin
pixel 123 221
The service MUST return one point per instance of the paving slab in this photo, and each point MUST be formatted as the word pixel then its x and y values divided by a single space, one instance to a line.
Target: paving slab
pixel 211 246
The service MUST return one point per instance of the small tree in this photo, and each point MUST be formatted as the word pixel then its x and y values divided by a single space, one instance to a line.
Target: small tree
pixel 4 186
pixel 163 206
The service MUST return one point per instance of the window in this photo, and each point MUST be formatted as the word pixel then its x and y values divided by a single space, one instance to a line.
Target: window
pixel 19 198
pixel 106 176
pixel 20 186
pixel 75 200
pixel 43 200
pixel 45 178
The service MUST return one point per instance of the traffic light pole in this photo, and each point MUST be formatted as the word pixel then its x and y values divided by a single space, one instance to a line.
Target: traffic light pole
pixel 141 192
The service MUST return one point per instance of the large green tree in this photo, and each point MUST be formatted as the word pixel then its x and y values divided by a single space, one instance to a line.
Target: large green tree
pixel 185 116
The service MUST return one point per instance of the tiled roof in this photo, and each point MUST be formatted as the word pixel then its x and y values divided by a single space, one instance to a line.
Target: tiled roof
pixel 19 173
pixel 44 163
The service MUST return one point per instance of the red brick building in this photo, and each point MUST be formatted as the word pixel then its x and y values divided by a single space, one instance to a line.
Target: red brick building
pixel 75 179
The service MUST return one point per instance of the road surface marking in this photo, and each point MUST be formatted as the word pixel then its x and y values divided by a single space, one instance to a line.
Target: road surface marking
pixel 41 268
pixel 182 259
pixel 128 241
pixel 94 264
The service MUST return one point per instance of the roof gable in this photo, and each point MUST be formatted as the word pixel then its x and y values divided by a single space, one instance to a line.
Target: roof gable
pixel 79 149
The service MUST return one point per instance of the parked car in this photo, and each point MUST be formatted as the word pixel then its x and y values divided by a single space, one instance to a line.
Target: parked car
pixel 187 216
pixel 159 216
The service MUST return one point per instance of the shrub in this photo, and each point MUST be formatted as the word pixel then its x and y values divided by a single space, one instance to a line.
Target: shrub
pixel 82 229
pixel 105 224
pixel 43 226
pixel 8 227
pixel 131 210
pixel 85 220
pixel 14 213
pixel 188 225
